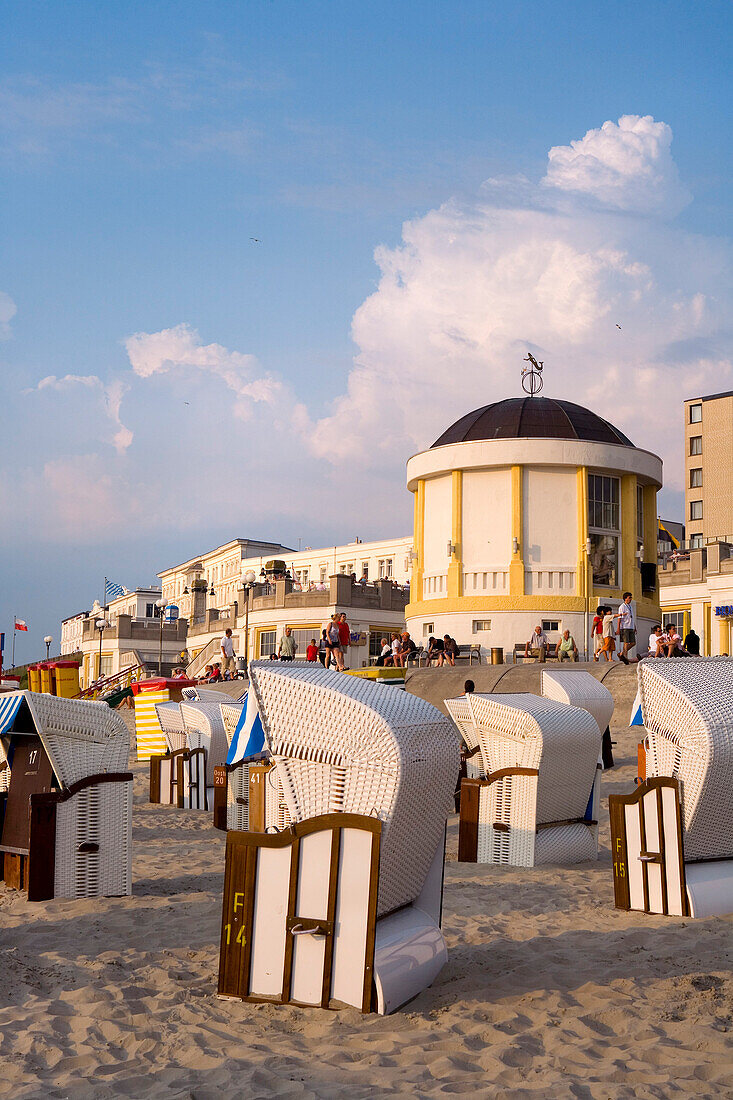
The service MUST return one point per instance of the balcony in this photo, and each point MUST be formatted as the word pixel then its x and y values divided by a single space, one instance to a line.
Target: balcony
pixel 340 592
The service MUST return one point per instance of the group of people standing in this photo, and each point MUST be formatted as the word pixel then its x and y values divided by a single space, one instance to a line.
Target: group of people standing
pixel 607 627
pixel 332 647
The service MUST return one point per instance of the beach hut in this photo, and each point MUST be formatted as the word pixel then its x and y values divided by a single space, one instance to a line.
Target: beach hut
pixel 65 797
pixel 343 906
pixel 672 837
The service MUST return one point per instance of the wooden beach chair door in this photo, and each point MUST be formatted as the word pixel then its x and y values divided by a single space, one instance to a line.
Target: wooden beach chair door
pixel 646 842
pixel 299 913
pixel 30 773
pixel 191 779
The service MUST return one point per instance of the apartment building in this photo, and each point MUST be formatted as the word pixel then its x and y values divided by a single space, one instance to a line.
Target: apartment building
pixel 708 469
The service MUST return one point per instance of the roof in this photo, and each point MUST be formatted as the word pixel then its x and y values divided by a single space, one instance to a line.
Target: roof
pixel 532 418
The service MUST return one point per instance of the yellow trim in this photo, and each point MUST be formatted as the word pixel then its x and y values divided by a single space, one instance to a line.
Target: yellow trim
pixel 418 537
pixel 582 580
pixel 516 564
pixel 258 630
pixel 455 566
pixel 569 604
pixel 707 613
pixel 676 607
pixel 651 523
pixel 723 636
pixel 630 574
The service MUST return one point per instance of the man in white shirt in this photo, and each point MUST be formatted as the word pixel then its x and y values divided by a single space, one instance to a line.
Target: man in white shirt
pixel 537 644
pixel 626 629
pixel 228 664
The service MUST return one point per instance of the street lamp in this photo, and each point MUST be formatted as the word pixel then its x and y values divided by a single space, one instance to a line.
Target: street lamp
pixel 100 624
pixel 249 579
pixel 161 605
pixel 48 639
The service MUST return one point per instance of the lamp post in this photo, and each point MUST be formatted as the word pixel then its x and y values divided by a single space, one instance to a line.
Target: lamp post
pixel 249 579
pixel 161 605
pixel 48 639
pixel 100 624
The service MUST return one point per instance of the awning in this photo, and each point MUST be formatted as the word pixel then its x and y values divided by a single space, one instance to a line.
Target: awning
pixel 9 707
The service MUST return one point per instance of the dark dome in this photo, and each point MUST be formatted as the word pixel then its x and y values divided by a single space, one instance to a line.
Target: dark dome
pixel 532 418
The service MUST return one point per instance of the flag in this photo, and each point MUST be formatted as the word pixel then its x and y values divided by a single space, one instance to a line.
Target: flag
pixel 636 718
pixel 112 590
pixel 2 647
pixel 20 624
pixel 249 736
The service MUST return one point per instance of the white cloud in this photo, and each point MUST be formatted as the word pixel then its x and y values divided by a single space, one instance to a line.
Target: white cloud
pixel 111 395
pixel 180 348
pixel 474 284
pixel 625 165
pixel 8 309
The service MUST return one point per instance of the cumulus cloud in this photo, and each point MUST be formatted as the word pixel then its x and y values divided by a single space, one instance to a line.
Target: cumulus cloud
pixel 111 395
pixel 476 283
pixel 626 165
pixel 180 349
pixel 8 310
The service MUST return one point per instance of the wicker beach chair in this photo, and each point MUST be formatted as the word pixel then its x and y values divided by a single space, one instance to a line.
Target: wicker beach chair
pixel 67 824
pixel 580 689
pixel 535 803
pixel 673 836
pixel 460 711
pixel 349 894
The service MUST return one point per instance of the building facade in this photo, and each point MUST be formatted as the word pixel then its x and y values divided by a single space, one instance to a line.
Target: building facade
pixel 708 467
pixel 531 511
pixel 697 591
pixel 135 634
pixel 72 630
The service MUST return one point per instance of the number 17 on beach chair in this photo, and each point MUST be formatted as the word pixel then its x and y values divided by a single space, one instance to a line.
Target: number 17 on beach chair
pixel 343 906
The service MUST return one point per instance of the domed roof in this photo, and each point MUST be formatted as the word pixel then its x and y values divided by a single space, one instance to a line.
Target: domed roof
pixel 532 418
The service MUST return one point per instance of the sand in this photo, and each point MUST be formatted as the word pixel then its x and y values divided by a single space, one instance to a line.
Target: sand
pixel 548 992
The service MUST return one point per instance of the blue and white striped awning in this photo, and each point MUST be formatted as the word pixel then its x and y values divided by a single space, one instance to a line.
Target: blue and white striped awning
pixel 9 706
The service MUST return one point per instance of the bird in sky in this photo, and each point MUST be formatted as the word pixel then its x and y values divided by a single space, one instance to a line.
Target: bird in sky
pixel 256 240
pixel 618 327
pixel 186 402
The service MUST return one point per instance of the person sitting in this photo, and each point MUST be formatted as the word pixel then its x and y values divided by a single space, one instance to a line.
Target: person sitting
pixel 207 674
pixel 450 648
pixel 311 651
pixel 566 649
pixel 396 650
pixel 692 643
pixel 435 651
pixel 364 578
pixel 675 647
pixel 655 648
pixel 469 687
pixel 385 655
pixel 409 649
pixel 537 645
pixel 216 676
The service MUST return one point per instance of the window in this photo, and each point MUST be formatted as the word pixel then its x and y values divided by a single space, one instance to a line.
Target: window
pixel 677 618
pixel 375 640
pixel 695 509
pixel 148 611
pixel 365 569
pixel 428 629
pixel 696 478
pixel 695 414
pixel 695 444
pixel 342 570
pixel 267 643
pixel 303 639
pixel 381 574
pixel 549 625
pixel 640 512
pixel 696 542
pixel 604 525
pixel 481 624
pixel 389 567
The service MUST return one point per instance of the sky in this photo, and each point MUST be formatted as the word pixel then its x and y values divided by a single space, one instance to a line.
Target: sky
pixel 254 255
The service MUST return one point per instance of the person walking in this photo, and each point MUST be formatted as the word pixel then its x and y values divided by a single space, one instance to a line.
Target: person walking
pixel 609 640
pixel 226 648
pixel 288 646
pixel 323 648
pixel 597 632
pixel 334 639
pixel 344 638
pixel 626 627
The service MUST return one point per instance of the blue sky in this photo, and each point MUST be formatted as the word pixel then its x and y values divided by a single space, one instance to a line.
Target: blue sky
pixel 143 145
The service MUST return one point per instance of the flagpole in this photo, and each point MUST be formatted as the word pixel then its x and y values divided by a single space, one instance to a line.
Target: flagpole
pixel 13 640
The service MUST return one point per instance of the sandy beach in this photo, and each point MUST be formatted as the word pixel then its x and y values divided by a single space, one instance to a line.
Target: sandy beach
pixel 548 992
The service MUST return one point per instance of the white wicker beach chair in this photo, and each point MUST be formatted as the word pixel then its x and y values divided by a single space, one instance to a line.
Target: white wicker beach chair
pixel 171 722
pixel 460 711
pixel 580 689
pixel 673 837
pixel 67 828
pixel 535 804
pixel 368 777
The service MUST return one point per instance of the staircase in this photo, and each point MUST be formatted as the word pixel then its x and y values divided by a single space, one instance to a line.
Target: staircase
pixel 207 656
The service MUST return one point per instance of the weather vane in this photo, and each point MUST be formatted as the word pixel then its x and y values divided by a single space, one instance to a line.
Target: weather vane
pixel 532 375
